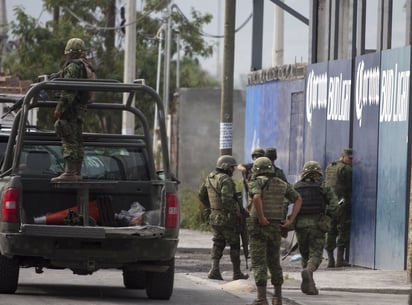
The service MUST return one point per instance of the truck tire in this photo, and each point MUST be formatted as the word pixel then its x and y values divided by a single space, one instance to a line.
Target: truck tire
pixel 159 285
pixel 134 279
pixel 9 274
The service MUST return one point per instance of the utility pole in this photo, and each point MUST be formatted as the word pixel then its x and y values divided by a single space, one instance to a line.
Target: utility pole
pixel 219 26
pixel 278 30
pixel 129 74
pixel 166 71
pixel 168 45
pixel 226 113
pixel 160 37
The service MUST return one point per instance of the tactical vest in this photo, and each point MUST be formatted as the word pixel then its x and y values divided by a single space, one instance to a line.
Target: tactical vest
pixel 331 178
pixel 312 199
pixel 213 191
pixel 273 192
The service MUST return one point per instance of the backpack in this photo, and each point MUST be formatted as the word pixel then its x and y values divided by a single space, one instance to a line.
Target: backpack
pixel 89 72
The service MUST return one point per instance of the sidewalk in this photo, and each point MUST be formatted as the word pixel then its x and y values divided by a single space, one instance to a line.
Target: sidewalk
pixel 385 283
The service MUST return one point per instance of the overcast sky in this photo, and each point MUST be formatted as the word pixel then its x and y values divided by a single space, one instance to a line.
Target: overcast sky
pixel 295 36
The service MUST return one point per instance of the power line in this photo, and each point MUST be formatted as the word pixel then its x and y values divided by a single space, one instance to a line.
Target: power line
pixel 179 11
pixel 212 35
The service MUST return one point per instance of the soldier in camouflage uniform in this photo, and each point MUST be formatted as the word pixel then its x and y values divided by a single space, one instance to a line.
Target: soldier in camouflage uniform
pixel 338 175
pixel 218 193
pixel 311 225
pixel 69 113
pixel 272 154
pixel 246 168
pixel 264 226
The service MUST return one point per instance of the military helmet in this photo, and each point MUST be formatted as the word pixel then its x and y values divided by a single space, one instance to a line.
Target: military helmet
pixel 271 153
pixel 262 165
pixel 258 152
pixel 311 167
pixel 225 162
pixel 74 45
pixel 347 151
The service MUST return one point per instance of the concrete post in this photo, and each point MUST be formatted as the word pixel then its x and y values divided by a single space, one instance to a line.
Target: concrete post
pixel 129 74
pixel 226 114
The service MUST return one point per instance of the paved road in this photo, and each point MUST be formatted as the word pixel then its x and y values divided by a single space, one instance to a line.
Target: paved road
pixel 191 287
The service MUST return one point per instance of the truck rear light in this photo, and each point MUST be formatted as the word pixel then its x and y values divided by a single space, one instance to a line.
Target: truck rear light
pixel 172 211
pixel 9 205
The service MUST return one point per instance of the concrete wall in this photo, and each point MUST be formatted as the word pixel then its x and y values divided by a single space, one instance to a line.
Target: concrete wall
pixel 198 133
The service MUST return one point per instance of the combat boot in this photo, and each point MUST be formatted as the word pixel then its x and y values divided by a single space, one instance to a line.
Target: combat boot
pixel 78 166
pixel 214 273
pixel 331 259
pixel 308 285
pixel 261 296
pixel 277 296
pixel 340 261
pixel 237 274
pixel 70 172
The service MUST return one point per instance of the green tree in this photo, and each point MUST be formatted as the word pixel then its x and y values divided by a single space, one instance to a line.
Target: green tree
pixel 40 47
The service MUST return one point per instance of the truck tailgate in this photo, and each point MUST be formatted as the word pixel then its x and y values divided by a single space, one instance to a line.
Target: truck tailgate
pixel 146 231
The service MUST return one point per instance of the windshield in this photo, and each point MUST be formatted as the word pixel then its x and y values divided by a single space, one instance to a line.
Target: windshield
pixel 101 163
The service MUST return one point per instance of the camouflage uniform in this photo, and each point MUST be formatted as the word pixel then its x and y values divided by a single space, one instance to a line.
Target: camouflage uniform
pixel 265 239
pixel 338 175
pixel 72 108
pixel 317 200
pixel 218 193
pixel 70 112
pixel 256 153
pixel 272 154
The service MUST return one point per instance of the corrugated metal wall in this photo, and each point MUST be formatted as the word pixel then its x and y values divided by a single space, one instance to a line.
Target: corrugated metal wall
pixel 365 160
pixel 379 104
pixel 393 162
pixel 268 120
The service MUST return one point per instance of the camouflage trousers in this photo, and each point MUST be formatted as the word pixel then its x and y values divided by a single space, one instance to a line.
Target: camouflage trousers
pixel 265 251
pixel 70 133
pixel 223 235
pixel 311 242
pixel 339 235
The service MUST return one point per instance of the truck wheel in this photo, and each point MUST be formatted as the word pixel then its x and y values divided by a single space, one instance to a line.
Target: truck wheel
pixel 134 279
pixel 9 274
pixel 159 285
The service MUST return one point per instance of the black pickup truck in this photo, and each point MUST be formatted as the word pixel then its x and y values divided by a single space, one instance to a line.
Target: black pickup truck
pixel 123 214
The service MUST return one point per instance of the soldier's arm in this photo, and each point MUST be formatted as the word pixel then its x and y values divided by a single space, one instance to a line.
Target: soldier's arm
pixel 255 193
pixel 345 177
pixel 293 196
pixel 228 194
pixel 257 203
pixel 331 200
pixel 203 196
pixel 241 168
pixel 67 98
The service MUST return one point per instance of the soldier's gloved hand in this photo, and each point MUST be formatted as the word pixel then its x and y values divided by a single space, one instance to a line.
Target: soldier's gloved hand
pixel 57 114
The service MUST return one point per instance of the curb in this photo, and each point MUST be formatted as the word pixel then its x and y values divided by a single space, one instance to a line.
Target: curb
pixel 191 250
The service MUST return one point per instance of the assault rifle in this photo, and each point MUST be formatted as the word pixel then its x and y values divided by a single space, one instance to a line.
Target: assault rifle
pixel 17 104
pixel 241 226
pixel 292 247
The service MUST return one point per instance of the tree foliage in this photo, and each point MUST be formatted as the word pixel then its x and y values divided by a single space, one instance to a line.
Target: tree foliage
pixel 39 46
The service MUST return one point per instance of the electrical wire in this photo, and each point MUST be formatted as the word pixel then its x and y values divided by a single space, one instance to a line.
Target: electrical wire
pixel 212 35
